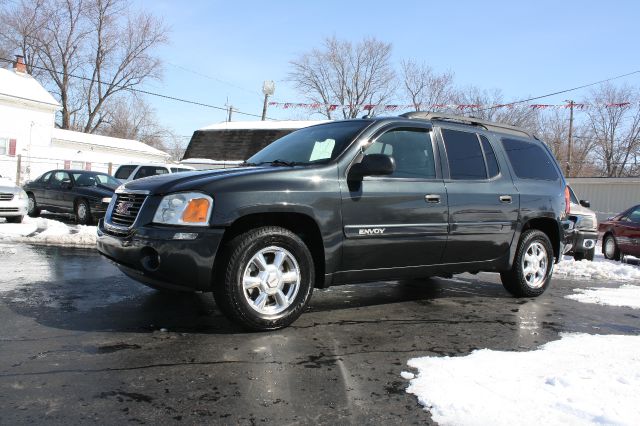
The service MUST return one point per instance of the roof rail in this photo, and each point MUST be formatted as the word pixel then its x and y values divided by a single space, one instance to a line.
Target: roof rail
pixel 488 125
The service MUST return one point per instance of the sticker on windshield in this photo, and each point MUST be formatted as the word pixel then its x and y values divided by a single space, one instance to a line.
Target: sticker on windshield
pixel 322 150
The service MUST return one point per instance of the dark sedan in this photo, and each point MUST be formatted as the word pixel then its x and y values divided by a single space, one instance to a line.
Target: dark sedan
pixel 85 194
pixel 621 234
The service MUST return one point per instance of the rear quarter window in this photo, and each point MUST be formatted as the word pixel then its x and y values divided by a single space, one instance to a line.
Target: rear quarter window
pixel 530 160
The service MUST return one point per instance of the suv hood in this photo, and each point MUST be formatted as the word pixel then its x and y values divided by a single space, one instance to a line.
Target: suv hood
pixel 185 181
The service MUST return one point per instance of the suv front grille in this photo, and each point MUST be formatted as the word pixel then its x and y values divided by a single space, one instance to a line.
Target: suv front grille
pixel 6 196
pixel 126 209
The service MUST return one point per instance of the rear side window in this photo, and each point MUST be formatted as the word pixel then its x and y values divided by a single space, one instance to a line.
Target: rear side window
pixel 529 160
pixel 464 154
pixel 123 172
pixel 146 171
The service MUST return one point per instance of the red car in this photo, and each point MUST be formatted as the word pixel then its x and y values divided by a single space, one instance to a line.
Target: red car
pixel 621 234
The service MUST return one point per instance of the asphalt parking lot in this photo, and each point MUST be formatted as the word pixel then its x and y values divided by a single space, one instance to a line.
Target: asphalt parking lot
pixel 82 343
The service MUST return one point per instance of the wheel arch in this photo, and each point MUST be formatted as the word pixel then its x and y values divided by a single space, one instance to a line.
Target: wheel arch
pixel 550 227
pixel 300 224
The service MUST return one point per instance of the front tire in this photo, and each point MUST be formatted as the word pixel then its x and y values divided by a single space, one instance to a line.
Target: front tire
pixel 610 248
pixel 15 219
pixel 532 267
pixel 32 209
pixel 83 212
pixel 267 278
pixel 585 255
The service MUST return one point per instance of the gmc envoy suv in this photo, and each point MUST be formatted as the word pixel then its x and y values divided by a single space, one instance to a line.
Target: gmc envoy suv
pixel 420 195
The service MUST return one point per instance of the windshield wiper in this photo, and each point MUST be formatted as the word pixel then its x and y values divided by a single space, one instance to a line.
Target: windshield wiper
pixel 279 162
pixel 247 164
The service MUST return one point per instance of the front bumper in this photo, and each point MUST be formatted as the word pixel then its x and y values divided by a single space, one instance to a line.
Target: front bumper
pixel 584 240
pixel 15 207
pixel 152 255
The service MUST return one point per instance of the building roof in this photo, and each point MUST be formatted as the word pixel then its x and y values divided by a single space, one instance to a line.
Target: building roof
pixel 105 142
pixel 263 125
pixel 16 86
pixel 239 140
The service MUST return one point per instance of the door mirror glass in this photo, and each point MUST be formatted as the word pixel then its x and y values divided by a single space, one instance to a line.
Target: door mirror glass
pixel 585 203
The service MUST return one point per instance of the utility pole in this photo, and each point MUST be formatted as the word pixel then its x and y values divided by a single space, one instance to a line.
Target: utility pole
pixel 571 104
pixel 230 112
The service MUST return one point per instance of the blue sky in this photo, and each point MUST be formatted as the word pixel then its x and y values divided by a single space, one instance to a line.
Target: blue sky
pixel 224 50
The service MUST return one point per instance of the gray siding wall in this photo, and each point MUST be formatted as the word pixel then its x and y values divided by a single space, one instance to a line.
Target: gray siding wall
pixel 608 196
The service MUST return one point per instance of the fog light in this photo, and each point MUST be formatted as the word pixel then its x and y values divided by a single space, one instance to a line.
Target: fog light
pixel 185 236
pixel 588 244
pixel 150 259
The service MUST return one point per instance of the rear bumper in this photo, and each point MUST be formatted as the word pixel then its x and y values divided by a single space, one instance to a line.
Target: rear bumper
pixel 153 255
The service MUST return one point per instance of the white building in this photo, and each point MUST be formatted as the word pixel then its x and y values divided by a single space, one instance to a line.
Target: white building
pixel 30 144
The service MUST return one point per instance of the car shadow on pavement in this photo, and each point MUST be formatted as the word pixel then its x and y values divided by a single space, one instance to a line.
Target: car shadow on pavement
pixel 121 305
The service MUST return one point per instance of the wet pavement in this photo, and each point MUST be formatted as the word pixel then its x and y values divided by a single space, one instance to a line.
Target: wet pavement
pixel 81 343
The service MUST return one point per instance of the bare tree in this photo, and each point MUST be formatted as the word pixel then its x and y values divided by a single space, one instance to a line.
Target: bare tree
pixel 426 89
pixel 89 50
pixel 340 73
pixel 614 124
pixel 554 131
pixel 490 105
pixel 133 118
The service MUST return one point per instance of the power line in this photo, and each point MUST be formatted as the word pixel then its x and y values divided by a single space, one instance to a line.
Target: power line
pixel 198 73
pixel 146 92
pixel 559 92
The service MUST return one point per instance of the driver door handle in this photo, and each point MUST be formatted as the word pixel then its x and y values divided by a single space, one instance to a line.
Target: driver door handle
pixel 505 198
pixel 432 198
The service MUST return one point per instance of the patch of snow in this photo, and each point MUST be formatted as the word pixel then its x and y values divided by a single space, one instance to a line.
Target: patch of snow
pixel 407 376
pixel 627 295
pixel 48 232
pixel 580 379
pixel 599 269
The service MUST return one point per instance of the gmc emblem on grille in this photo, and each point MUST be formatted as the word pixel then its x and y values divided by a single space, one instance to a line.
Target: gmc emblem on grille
pixel 123 208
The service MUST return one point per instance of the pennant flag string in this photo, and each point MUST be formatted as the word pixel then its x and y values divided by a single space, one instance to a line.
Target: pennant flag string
pixel 458 107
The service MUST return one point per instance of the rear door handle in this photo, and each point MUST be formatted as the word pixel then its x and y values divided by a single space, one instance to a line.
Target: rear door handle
pixel 505 198
pixel 432 198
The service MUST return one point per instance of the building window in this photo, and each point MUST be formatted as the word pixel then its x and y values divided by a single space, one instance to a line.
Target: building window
pixel 4 146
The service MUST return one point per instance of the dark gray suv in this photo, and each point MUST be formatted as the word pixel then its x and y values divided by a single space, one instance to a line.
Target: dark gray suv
pixel 418 195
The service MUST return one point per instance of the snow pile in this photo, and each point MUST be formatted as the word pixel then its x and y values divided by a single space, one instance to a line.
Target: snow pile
pixel 627 295
pixel 48 232
pixel 599 269
pixel 577 380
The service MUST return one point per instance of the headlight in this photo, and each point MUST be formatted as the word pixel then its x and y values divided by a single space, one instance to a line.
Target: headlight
pixel 22 195
pixel 187 208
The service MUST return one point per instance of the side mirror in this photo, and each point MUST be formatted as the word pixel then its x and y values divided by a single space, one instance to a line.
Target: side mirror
pixel 585 203
pixel 66 185
pixel 373 165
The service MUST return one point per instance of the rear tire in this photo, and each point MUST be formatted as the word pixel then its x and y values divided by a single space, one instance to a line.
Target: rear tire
pixel 33 209
pixel 266 278
pixel 532 267
pixel 610 248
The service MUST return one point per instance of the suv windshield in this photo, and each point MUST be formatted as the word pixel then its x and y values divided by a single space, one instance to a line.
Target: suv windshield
pixel 316 144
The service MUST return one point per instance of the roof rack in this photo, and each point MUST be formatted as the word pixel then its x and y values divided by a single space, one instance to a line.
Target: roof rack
pixel 488 125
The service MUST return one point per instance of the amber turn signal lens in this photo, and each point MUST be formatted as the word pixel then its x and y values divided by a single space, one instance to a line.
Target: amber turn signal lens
pixel 196 211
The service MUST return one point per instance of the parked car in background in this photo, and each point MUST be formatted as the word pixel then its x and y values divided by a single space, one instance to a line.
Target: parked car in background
pixel 85 194
pixel 585 227
pixel 621 234
pixel 128 172
pixel 13 201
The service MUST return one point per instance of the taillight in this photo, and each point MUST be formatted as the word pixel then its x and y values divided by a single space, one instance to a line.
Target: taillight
pixel 567 201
